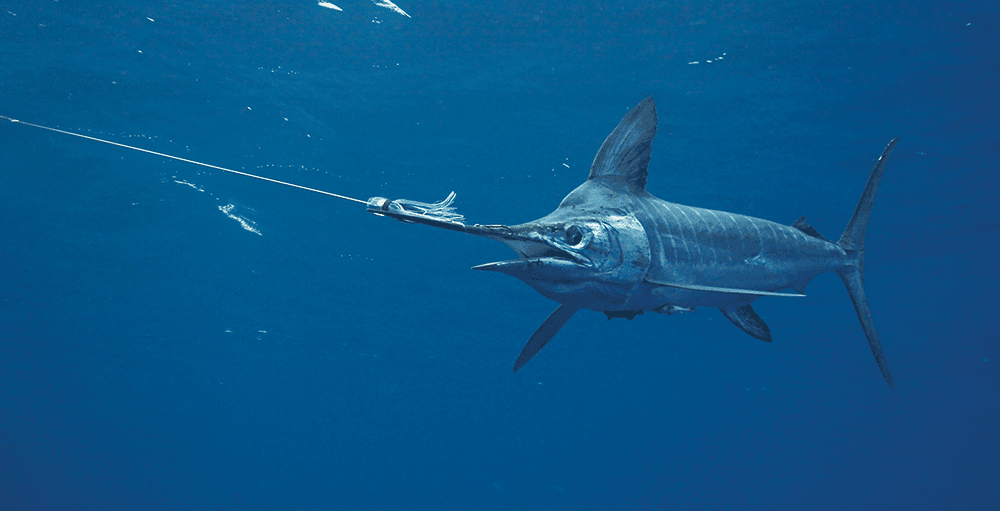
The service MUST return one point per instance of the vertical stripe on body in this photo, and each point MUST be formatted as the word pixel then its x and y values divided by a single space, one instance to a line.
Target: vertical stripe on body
pixel 673 241
pixel 707 233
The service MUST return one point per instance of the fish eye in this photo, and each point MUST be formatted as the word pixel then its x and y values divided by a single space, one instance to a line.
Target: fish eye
pixel 573 235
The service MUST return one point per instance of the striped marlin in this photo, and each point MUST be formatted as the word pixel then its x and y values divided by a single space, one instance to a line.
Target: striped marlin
pixel 613 247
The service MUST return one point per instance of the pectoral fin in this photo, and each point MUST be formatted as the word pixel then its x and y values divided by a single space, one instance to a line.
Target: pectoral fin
pixel 544 334
pixel 748 321
pixel 715 289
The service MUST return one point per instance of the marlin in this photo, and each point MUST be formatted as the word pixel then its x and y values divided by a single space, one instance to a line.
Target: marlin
pixel 613 247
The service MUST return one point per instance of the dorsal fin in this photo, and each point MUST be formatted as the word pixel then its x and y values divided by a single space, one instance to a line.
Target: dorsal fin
pixel 625 153
pixel 801 225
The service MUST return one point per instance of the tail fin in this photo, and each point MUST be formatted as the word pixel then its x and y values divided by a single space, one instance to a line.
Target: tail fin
pixel 853 241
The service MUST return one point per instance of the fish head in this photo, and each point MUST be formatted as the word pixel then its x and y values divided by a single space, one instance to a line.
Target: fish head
pixel 592 252
pixel 587 258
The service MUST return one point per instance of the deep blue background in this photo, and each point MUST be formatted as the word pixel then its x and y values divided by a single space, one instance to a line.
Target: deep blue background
pixel 154 354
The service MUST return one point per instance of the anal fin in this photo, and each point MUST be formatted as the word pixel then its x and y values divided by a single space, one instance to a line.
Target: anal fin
pixel 747 319
pixel 544 334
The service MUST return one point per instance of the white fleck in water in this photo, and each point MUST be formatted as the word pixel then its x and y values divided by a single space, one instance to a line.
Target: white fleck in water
pixel 245 223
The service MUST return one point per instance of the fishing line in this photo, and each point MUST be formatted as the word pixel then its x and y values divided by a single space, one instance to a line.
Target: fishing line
pixel 437 214
pixel 185 160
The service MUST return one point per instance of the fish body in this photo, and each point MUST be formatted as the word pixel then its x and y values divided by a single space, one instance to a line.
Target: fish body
pixel 613 247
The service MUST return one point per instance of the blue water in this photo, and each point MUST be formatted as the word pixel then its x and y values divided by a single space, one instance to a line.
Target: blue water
pixel 176 337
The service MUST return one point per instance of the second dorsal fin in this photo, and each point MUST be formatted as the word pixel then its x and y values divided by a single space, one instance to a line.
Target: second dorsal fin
pixel 801 225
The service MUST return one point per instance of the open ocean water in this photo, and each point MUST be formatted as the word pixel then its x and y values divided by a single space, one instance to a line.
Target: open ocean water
pixel 177 337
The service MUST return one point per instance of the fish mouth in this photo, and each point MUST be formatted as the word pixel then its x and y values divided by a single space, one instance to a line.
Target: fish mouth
pixel 537 258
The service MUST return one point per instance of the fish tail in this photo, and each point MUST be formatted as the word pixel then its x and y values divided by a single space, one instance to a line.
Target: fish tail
pixel 853 275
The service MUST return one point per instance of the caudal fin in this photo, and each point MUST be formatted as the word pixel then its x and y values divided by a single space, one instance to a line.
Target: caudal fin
pixel 853 241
